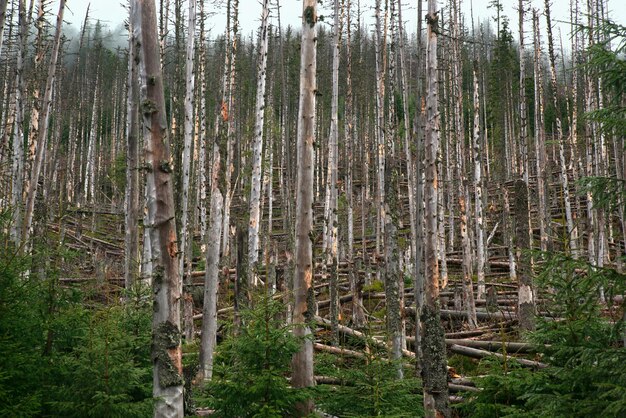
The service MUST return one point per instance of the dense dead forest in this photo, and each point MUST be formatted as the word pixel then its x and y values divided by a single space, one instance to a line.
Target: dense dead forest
pixel 358 216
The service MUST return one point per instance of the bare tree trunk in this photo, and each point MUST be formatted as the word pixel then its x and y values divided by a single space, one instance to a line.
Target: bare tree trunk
pixel 478 192
pixel 418 131
pixel 3 16
pixel 381 144
pixel 211 277
pixel 90 169
pixel 540 143
pixel 462 186
pixel 185 246
pixel 434 374
pixel 358 315
pixel 166 348
pixel 214 235
pixel 202 132
pixel 523 113
pixel 330 204
pixel 302 363
pixel 410 164
pixel 131 237
pixel 42 133
pixel 230 147
pixel 571 232
pixel 257 151
pixel 18 133
pixel 526 300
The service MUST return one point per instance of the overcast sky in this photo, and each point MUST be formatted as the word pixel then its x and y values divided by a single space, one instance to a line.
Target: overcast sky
pixel 113 13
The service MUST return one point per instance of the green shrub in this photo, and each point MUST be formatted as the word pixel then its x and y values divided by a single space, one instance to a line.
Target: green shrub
pixel 585 377
pixel 251 368
pixel 370 389
pixel 62 355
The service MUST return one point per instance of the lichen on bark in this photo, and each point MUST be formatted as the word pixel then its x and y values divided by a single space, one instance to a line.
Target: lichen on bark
pixel 165 339
pixel 434 364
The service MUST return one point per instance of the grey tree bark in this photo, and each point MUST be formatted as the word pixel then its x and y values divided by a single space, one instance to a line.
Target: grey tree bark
pixel 166 335
pixel 526 300
pixel 188 134
pixel 434 372
pixel 40 140
pixel 257 150
pixel 131 204
pixel 302 363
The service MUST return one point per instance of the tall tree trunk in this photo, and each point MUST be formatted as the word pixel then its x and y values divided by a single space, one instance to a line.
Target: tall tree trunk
pixel 214 234
pixel 257 151
pixel 3 16
pixel 185 247
pixel 230 132
pixel 131 204
pixel 540 142
pixel 523 113
pixel 478 192
pixel 330 204
pixel 42 132
pixel 462 185
pixel 571 232
pixel 302 363
pixel 434 373
pixel 18 132
pixel 381 144
pixel 358 315
pixel 166 335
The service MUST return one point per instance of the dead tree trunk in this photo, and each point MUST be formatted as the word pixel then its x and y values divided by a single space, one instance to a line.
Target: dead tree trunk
pixel 478 192
pixel 257 151
pixel 434 373
pixel 540 141
pixel 302 363
pixel 185 246
pixel 166 335
pixel 131 204
pixel 381 144
pixel 330 243
pixel 526 300
pixel 3 16
pixel 42 132
pixel 18 132
pixel 571 232
pixel 358 315
pixel 214 235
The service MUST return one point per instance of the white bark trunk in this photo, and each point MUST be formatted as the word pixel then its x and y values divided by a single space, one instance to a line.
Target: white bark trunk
pixel 257 151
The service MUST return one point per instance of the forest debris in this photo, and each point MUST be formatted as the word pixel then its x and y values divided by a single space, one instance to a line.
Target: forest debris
pixel 337 350
pixel 511 347
pixel 479 354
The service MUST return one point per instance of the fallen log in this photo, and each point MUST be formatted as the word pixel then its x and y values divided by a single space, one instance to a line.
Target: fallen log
pixel 480 354
pixel 511 347
pixel 347 330
pixel 337 350
pixel 454 388
pixel 484 316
